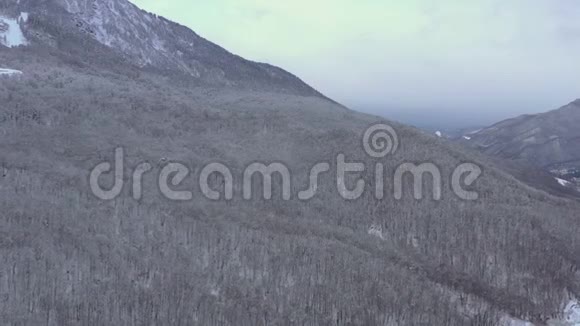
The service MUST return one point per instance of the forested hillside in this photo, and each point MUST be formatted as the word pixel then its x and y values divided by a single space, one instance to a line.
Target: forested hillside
pixel 68 258
pixel 547 140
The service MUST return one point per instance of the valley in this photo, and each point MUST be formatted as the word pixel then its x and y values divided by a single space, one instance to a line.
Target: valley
pixel 96 76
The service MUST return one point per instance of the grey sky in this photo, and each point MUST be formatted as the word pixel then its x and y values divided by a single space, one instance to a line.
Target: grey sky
pixel 473 61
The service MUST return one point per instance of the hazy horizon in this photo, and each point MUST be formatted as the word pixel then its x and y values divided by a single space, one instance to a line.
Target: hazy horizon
pixel 477 62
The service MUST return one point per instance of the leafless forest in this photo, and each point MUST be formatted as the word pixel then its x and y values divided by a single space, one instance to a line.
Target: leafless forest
pixel 67 258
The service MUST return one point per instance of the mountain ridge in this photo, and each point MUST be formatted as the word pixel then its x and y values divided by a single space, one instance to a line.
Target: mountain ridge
pixel 149 40
pixel 544 140
pixel 67 258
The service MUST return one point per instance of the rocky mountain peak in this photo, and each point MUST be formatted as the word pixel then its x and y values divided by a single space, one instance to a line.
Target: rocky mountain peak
pixel 146 40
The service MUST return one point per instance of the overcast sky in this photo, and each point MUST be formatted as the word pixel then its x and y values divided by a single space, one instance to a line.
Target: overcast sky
pixel 471 61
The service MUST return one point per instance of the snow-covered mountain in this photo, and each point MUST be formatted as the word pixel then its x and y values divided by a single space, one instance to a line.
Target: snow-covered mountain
pixel 144 39
pixel 546 140
pixel 97 75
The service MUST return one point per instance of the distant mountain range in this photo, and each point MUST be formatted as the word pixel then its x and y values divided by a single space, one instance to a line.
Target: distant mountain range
pixel 84 78
pixel 546 140
pixel 550 141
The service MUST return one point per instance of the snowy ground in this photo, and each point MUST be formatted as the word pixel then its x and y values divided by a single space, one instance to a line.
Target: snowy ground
pixel 13 36
pixel 572 313
pixel 563 182
pixel 9 72
pixel 571 317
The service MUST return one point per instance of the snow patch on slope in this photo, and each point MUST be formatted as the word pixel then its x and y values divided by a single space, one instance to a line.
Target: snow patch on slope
pixel 508 321
pixel 563 182
pixel 571 315
pixel 9 72
pixel 10 31
pixel 23 17
pixel 377 231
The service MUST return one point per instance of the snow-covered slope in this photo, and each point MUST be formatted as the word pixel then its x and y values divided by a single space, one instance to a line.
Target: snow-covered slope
pixel 571 316
pixel 11 34
pixel 563 182
pixel 437 263
pixel 572 313
pixel 9 72
pixel 546 140
pixel 145 40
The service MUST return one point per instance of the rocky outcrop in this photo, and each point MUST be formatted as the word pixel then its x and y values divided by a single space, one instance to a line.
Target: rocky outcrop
pixel 149 40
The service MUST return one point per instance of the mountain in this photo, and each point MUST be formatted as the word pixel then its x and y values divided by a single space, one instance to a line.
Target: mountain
pixel 544 140
pixel 69 258
pixel 146 40
pixel 548 141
